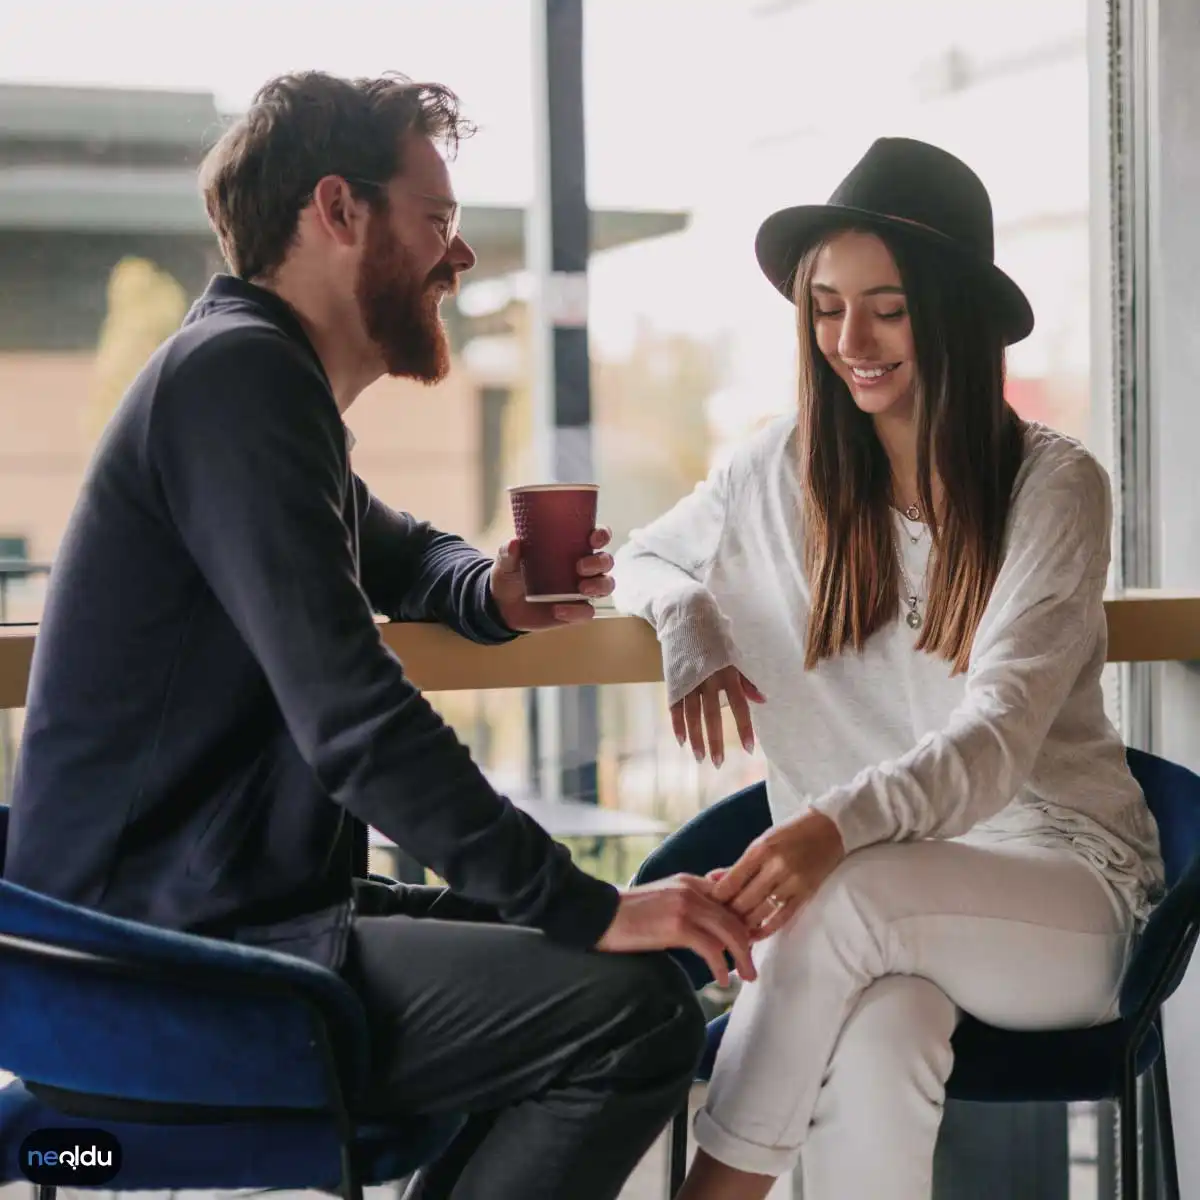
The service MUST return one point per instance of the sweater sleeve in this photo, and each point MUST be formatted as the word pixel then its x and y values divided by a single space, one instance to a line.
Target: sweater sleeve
pixel 660 576
pixel 249 452
pixel 413 572
pixel 1041 626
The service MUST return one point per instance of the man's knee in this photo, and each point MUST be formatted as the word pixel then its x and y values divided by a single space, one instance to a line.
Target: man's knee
pixel 657 1008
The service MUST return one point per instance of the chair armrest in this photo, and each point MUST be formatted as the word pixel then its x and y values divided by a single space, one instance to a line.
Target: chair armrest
pixel 715 837
pixel 95 1004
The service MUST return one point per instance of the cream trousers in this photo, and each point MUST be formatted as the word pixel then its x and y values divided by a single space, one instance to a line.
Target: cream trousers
pixel 837 1057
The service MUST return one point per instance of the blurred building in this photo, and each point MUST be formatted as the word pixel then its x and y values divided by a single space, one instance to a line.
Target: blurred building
pixel 102 231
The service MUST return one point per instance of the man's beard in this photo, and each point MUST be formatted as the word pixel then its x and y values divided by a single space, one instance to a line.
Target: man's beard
pixel 399 310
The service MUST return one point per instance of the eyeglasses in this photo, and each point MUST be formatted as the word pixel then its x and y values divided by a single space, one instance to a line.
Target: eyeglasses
pixel 449 220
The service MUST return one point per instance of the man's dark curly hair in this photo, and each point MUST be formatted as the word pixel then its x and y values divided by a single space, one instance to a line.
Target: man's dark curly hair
pixel 300 128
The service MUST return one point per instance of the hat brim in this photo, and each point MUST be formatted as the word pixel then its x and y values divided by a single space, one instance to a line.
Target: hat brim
pixel 786 236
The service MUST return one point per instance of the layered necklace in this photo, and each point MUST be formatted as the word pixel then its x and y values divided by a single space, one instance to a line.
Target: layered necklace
pixel 912 597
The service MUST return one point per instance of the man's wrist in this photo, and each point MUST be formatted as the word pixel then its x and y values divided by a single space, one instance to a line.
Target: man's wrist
pixel 493 616
pixel 583 913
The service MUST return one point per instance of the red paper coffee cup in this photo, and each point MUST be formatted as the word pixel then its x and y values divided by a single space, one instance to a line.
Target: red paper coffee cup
pixel 555 522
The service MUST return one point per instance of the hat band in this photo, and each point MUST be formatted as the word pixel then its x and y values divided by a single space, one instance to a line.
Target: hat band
pixel 918 224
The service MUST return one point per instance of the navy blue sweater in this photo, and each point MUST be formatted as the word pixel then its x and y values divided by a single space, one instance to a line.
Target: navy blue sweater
pixel 213 718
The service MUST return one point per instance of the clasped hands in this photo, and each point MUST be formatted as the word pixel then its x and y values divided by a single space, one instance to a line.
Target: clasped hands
pixel 784 867
pixel 731 908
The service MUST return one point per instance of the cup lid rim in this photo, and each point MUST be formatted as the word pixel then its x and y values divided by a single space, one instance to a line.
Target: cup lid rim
pixel 555 487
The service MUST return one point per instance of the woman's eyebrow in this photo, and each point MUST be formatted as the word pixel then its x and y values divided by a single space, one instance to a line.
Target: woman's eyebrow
pixel 884 289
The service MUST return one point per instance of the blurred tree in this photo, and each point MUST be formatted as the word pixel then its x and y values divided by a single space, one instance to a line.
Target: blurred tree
pixel 650 416
pixel 145 306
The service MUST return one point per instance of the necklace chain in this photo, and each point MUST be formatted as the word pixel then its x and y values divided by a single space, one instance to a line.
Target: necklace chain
pixel 912 515
pixel 913 619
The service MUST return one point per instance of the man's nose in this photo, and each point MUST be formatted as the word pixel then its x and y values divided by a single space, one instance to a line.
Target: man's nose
pixel 461 256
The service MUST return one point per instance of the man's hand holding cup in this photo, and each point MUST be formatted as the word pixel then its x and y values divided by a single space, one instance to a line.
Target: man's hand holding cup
pixel 552 571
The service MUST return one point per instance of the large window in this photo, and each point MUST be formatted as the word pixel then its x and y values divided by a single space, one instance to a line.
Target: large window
pixel 703 116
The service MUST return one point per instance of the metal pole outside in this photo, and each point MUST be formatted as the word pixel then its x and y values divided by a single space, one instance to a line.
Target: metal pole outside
pixel 564 722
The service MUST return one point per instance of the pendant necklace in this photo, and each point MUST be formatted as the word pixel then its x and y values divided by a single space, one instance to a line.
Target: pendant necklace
pixel 913 514
pixel 913 618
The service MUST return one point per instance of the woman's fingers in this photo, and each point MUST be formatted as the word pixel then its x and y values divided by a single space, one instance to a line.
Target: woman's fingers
pixel 769 882
pixel 757 878
pixel 741 715
pixel 766 915
pixel 678 727
pixel 697 718
pixel 778 919
pixel 711 698
pixel 738 877
pixel 693 717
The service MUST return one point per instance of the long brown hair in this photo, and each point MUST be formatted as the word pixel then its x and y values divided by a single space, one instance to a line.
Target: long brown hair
pixel 967 434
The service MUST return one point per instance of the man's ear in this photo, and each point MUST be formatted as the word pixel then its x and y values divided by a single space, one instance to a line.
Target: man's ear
pixel 340 215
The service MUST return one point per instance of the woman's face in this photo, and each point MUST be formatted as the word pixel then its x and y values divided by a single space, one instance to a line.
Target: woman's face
pixel 861 322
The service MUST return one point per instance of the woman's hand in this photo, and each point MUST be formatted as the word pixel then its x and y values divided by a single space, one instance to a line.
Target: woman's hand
pixel 700 712
pixel 779 872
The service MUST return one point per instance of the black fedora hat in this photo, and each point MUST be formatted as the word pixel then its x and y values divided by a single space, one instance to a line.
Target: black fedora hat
pixel 915 189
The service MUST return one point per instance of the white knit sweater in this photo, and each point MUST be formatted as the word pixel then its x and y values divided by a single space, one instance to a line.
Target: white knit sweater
pixel 888 743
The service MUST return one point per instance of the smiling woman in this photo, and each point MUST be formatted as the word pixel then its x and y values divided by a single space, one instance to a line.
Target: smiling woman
pixel 861 321
pixel 900 342
pixel 937 754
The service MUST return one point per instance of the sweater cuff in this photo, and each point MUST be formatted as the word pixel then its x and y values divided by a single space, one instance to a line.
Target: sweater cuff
pixel 581 912
pixel 695 644
pixel 490 626
pixel 858 817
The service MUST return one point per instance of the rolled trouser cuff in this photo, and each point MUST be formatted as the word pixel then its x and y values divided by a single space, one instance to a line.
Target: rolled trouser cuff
pixel 741 1154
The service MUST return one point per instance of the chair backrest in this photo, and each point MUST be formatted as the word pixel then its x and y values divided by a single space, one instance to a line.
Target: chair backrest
pixel 1173 795
pixel 1165 948
pixel 185 1019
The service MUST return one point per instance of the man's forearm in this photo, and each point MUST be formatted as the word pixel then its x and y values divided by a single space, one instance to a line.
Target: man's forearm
pixel 461 580
pixel 414 572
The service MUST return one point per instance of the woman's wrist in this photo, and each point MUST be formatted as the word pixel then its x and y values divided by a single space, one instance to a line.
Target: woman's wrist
pixel 695 643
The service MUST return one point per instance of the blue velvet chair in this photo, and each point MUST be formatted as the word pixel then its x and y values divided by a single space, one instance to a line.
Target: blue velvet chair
pixel 996 1065
pixel 216 1066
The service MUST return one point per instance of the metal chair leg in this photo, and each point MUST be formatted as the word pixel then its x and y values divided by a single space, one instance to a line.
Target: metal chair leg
pixel 1147 1144
pixel 1168 1163
pixel 677 1152
pixel 1127 1109
pixel 352 1188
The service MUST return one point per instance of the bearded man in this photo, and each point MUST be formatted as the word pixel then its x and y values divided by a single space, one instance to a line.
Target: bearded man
pixel 214 721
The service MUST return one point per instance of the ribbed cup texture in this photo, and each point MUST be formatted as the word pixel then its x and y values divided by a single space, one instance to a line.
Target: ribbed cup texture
pixel 555 528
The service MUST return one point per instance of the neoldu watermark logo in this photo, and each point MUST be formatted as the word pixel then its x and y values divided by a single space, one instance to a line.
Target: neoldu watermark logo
pixel 70 1157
